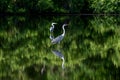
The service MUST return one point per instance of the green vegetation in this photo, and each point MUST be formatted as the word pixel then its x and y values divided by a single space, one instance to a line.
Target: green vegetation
pixel 105 6
pixel 63 6
pixel 91 48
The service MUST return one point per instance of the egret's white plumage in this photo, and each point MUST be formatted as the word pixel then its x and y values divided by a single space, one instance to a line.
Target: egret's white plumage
pixel 59 54
pixel 52 27
pixel 59 38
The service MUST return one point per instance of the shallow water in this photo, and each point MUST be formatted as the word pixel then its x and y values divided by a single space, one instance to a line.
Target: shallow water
pixel 90 47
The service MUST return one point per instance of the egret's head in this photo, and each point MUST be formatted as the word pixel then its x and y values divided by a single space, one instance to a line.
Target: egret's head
pixel 53 23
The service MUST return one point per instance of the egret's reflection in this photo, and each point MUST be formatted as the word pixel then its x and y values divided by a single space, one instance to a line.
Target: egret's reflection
pixel 57 40
pixel 60 55
pixel 43 69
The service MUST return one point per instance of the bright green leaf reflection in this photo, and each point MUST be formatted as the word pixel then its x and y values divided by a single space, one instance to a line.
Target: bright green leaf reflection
pixel 91 48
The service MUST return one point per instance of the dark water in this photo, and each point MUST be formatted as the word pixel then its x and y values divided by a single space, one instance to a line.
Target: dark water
pixel 90 47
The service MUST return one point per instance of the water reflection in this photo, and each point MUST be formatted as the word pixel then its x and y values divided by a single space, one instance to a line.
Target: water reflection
pixel 43 69
pixel 60 55
pixel 91 47
pixel 57 40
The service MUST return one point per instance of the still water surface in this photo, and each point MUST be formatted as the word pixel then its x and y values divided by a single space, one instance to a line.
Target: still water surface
pixel 90 49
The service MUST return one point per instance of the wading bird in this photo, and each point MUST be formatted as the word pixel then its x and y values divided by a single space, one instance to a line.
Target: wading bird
pixel 51 37
pixel 59 54
pixel 59 38
pixel 51 30
pixel 52 27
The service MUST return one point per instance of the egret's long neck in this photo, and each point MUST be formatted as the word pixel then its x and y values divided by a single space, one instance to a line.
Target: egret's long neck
pixel 63 62
pixel 63 30
pixel 53 25
pixel 51 37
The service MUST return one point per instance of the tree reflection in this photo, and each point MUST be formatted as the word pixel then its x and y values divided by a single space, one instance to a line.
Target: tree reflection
pixel 91 48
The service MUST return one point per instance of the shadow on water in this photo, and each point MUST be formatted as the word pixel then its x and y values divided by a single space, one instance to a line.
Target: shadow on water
pixel 91 48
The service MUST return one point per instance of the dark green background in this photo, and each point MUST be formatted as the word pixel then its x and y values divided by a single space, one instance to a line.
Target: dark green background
pixel 59 6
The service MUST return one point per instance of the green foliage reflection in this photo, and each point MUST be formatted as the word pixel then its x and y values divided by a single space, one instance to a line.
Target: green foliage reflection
pixel 91 48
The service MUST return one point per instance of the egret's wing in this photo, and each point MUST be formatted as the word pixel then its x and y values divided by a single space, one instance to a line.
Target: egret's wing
pixel 58 53
pixel 57 39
